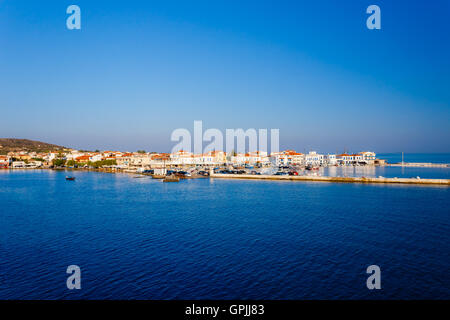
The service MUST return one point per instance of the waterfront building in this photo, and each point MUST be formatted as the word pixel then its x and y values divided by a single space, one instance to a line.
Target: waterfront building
pixel 111 154
pixel 344 159
pixel 181 157
pixel 124 160
pixel 286 158
pixel 72 155
pixel 95 157
pixel 18 164
pixel 51 156
pixel 23 164
pixel 140 160
pixel 240 159
pixel 250 158
pixel 357 158
pixel 314 159
pixel 109 157
pixel 4 162
pixel 211 158
pixel 330 159
pixel 83 159
pixel 368 156
pixel 34 164
pixel 159 160
pixel 258 157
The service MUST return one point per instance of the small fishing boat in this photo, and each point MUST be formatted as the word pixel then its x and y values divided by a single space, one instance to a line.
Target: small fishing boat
pixel 70 178
pixel 171 178
pixel 182 174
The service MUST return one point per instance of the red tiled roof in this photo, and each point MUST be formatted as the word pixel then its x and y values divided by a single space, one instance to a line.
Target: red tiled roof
pixel 82 158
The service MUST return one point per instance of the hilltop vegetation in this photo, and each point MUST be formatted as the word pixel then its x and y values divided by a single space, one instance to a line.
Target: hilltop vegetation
pixel 10 144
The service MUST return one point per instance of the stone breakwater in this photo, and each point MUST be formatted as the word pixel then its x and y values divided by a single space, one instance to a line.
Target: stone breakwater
pixel 420 164
pixel 336 179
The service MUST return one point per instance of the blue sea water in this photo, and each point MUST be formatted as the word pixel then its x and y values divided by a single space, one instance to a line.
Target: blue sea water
pixel 138 238
pixel 384 171
pixel 415 157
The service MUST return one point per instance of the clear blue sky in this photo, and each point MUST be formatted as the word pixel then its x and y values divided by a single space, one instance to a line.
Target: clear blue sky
pixel 139 69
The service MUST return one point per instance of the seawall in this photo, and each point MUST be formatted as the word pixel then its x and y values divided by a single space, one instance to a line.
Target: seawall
pixel 419 164
pixel 335 179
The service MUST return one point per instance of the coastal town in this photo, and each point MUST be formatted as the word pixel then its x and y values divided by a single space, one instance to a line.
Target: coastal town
pixel 142 161
pixel 182 164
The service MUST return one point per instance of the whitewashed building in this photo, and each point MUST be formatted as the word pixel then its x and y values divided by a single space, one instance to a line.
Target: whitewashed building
pixel 286 158
pixel 240 159
pixel 368 156
pixel 314 159
pixel 181 157
pixel 330 159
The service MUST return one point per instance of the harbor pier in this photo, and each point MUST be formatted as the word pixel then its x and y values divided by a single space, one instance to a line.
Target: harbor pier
pixel 420 164
pixel 417 181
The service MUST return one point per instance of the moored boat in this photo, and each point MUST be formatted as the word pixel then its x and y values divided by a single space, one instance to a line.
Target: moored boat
pixel 171 178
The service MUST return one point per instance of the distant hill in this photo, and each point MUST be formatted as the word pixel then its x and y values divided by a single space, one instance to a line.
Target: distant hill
pixel 10 144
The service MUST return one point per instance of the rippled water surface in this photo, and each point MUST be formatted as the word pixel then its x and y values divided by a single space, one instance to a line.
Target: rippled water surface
pixel 138 238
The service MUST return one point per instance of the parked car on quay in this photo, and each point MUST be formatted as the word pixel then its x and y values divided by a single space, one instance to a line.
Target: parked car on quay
pixel 184 173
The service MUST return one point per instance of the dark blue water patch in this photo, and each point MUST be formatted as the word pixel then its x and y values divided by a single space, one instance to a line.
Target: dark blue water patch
pixel 219 239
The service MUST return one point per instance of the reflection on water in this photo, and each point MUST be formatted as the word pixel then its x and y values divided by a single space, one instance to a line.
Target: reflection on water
pixel 349 171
